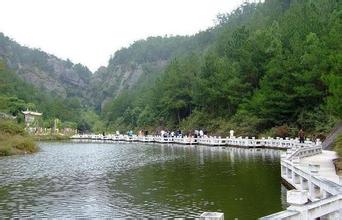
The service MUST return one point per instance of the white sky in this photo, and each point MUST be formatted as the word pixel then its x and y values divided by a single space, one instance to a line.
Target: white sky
pixel 89 31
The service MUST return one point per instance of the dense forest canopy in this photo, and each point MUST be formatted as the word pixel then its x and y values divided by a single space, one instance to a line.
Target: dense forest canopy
pixel 272 66
pixel 148 58
pixel 267 68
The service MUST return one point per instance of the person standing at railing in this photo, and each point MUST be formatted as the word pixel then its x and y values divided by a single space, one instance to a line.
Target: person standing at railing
pixel 179 133
pixel 130 133
pixel 201 133
pixel 195 135
pixel 301 136
pixel 231 133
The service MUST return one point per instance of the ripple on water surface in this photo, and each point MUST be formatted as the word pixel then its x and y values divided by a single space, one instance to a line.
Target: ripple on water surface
pixel 68 179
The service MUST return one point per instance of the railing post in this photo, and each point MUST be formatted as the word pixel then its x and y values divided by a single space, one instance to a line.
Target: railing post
pixel 212 216
pixel 297 200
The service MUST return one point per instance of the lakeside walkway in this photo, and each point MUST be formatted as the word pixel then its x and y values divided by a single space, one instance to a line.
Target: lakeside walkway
pixel 317 189
pixel 305 166
pixel 325 163
pixel 245 142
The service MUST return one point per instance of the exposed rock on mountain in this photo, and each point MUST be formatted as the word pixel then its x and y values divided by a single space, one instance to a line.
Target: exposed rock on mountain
pixel 45 71
pixel 125 68
pixel 146 58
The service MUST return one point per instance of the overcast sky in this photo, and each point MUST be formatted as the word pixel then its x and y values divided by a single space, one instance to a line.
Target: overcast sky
pixel 89 31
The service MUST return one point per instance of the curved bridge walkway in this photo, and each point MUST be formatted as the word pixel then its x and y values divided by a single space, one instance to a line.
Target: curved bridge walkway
pixel 317 189
pixel 305 166
pixel 278 143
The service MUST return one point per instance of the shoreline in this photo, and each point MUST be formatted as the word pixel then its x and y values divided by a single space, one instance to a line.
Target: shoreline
pixel 17 145
pixel 51 137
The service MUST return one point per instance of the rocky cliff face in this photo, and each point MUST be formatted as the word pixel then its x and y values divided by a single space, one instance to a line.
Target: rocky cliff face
pixel 65 79
pixel 144 58
pixel 125 68
pixel 45 71
pixel 108 82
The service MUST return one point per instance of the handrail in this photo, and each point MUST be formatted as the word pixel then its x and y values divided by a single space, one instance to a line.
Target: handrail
pixel 304 151
pixel 281 143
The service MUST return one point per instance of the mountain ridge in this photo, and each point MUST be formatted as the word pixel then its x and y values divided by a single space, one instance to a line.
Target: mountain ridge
pixel 268 67
pixel 66 79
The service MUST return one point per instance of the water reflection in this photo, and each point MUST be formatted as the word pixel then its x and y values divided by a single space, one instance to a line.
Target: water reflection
pixel 139 180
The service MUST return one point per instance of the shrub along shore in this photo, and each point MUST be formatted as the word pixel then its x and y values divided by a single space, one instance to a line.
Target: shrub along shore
pixel 14 140
pixel 338 149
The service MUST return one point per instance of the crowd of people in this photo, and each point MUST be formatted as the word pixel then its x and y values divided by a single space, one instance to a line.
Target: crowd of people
pixel 195 133
pixel 177 133
pixel 170 133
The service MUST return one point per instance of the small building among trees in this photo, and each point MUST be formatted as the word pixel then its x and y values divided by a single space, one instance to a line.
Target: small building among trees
pixel 32 118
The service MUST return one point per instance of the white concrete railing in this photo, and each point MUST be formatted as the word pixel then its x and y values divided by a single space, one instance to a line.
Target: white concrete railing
pixel 324 190
pixel 148 138
pixel 247 142
pixel 302 176
pixel 161 139
pixel 330 208
pixel 185 140
pixel 326 196
pixel 212 141
pixel 303 151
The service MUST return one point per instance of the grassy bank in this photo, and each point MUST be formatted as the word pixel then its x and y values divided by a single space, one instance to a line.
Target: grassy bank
pixel 14 140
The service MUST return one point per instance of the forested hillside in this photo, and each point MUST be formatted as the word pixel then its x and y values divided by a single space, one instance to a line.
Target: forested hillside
pixel 144 59
pixel 44 71
pixel 266 68
pixel 17 95
pixel 32 79
pixel 271 67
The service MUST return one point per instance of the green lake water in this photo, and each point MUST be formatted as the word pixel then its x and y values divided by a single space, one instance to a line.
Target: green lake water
pixel 108 180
